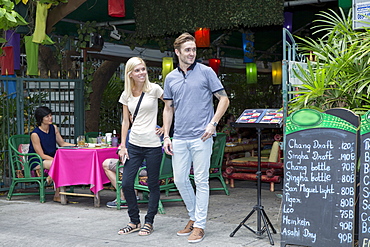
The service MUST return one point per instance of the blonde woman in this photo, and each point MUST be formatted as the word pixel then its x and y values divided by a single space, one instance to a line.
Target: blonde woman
pixel 144 142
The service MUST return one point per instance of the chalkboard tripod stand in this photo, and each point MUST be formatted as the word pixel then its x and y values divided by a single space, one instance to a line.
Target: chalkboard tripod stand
pixel 261 214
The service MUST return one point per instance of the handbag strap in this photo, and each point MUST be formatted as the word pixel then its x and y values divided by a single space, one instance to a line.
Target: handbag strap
pixel 137 107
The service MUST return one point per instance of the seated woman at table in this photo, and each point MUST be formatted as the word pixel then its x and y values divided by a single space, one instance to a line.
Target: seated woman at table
pixel 44 139
pixel 144 142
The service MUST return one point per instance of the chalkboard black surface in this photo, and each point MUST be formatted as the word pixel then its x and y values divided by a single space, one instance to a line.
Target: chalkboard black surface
pixel 364 192
pixel 319 181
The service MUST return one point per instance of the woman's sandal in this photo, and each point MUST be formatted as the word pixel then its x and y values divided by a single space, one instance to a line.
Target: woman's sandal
pixel 146 230
pixel 128 229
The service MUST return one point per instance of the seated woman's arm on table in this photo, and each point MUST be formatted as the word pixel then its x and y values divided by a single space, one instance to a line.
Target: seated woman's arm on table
pixel 60 140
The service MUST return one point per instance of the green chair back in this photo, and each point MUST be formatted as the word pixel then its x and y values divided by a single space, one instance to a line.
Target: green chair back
pixel 217 156
pixel 21 167
pixel 218 151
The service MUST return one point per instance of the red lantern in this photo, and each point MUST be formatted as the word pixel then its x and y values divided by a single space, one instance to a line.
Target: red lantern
pixel 202 37
pixel 215 63
pixel 7 61
pixel 116 8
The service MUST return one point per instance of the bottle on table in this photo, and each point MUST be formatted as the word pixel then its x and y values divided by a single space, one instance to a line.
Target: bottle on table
pixel 99 138
pixel 108 138
pixel 114 139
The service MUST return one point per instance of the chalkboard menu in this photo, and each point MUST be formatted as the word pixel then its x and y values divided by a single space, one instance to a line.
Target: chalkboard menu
pixel 319 180
pixel 364 192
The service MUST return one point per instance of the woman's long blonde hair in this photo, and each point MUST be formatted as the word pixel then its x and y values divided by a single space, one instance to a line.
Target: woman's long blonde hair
pixel 129 82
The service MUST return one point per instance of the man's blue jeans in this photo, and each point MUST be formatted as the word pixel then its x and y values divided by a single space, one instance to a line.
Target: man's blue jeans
pixel 197 153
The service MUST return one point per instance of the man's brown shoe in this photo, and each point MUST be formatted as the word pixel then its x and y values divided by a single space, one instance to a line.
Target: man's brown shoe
pixel 196 235
pixel 187 230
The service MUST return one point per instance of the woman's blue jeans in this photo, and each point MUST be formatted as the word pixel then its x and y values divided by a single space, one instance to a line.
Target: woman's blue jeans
pixel 153 157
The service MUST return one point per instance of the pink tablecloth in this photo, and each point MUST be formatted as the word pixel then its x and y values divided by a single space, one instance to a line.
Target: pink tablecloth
pixel 81 166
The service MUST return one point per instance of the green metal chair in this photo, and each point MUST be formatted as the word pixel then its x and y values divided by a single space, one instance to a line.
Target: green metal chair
pixel 165 180
pixel 21 167
pixel 215 170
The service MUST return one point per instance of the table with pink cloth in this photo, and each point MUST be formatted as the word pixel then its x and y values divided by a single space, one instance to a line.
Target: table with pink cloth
pixel 76 166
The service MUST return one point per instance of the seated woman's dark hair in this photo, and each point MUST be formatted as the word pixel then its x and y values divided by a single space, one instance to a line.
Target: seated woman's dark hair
pixel 40 113
pixel 229 116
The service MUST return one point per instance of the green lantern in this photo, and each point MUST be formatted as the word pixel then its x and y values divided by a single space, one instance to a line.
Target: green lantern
pixel 251 72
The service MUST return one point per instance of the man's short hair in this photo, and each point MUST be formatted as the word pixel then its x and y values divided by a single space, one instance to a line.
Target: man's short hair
pixel 185 37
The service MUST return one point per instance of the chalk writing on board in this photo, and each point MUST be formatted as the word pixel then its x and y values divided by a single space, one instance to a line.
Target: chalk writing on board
pixel 318 201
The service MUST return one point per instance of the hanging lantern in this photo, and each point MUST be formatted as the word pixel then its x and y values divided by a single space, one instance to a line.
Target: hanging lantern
pixel 276 73
pixel 32 56
pixel 116 8
pixel 215 63
pixel 248 49
pixel 251 72
pixel 13 39
pixel 7 61
pixel 202 37
pixel 167 66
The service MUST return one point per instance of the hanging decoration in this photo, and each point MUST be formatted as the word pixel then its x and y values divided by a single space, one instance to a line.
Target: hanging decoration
pixel 215 63
pixel 13 39
pixel 248 47
pixel 202 37
pixel 7 61
pixel 277 73
pixel 32 56
pixel 251 73
pixel 39 34
pixel 167 66
pixel 10 86
pixel 116 8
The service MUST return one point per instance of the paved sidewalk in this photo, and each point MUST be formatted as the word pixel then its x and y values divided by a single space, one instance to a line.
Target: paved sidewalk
pixel 24 221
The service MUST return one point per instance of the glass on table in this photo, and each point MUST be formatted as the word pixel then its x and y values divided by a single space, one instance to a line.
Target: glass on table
pixel 81 141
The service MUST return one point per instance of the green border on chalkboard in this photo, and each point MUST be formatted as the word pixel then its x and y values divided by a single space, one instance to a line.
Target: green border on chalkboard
pixel 326 121
pixel 306 117
pixel 365 123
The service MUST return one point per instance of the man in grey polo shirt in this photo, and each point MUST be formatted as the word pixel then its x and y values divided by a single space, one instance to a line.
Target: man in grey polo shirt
pixel 188 94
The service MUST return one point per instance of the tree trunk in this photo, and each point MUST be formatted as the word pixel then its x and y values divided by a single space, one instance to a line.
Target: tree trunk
pixel 61 11
pixel 100 80
pixel 47 63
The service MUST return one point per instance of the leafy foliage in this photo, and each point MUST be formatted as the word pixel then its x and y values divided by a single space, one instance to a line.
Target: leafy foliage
pixel 84 32
pixel 167 17
pixel 110 111
pixel 8 17
pixel 340 75
pixel 8 120
pixel 243 96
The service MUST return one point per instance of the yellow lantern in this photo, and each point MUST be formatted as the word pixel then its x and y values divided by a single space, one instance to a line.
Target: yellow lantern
pixel 251 72
pixel 276 73
pixel 167 66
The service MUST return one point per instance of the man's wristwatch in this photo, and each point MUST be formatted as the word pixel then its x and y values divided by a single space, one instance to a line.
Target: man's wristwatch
pixel 214 123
